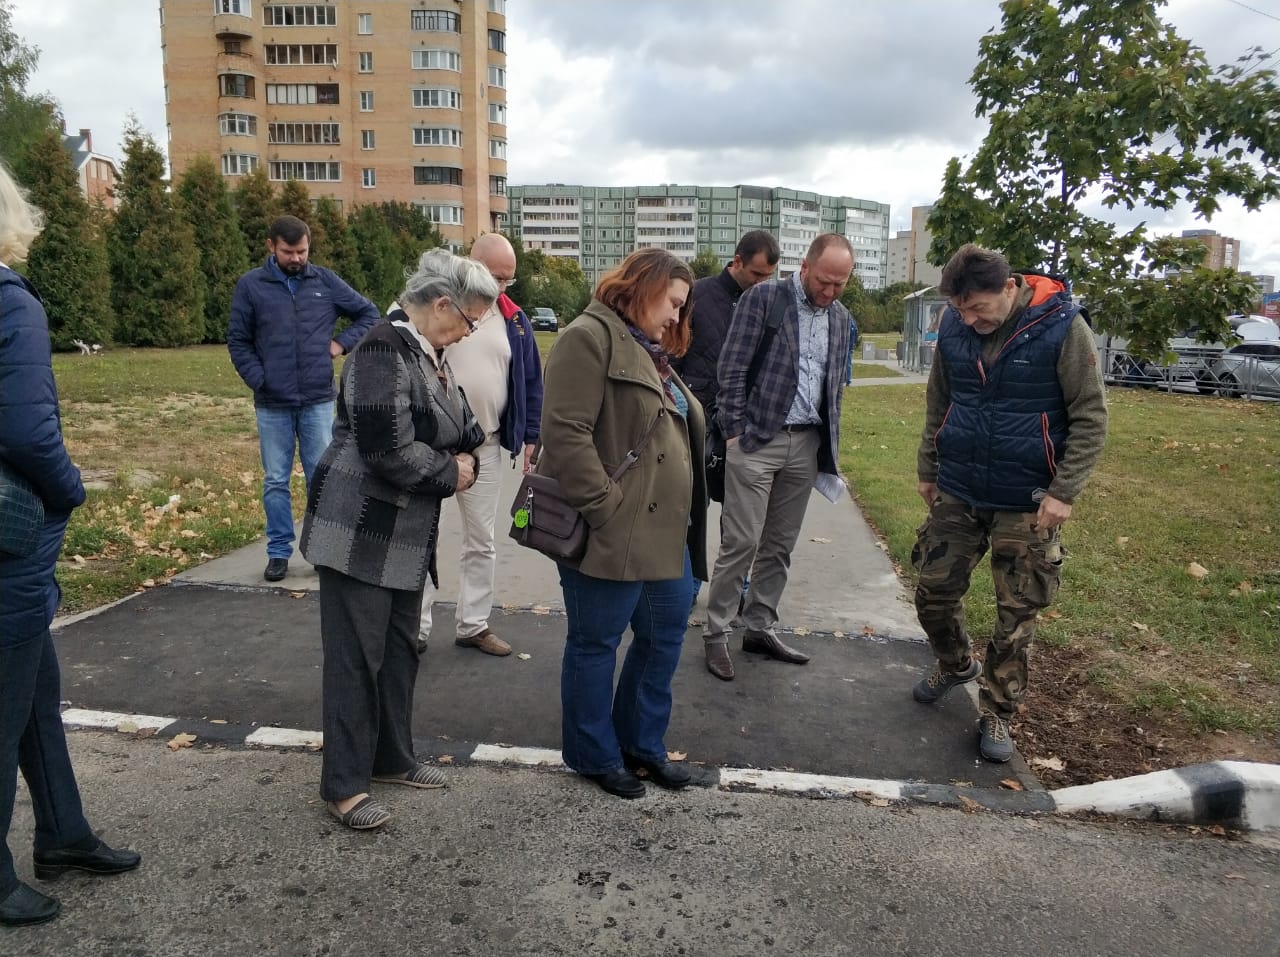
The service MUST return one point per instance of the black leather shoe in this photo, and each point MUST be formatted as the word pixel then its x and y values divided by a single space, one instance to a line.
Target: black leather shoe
pixel 277 568
pixel 26 905
pixel 671 775
pixel 101 860
pixel 620 783
pixel 763 643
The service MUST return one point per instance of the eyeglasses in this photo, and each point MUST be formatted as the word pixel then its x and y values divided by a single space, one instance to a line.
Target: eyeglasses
pixel 471 323
pixel 504 283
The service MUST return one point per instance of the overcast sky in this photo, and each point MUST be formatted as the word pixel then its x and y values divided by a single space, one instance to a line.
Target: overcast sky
pixel 863 98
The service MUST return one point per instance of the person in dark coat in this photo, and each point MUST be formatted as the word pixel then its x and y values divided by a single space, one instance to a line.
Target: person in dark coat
pixel 31 733
pixel 404 439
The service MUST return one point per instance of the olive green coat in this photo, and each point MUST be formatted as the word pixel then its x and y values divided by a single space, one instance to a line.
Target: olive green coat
pixel 601 392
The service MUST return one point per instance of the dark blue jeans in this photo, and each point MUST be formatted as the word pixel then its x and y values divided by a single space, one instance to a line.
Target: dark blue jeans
pixel 597 723
pixel 32 738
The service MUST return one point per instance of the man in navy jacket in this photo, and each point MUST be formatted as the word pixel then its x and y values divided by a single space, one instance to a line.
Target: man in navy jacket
pixel 499 369
pixel 282 344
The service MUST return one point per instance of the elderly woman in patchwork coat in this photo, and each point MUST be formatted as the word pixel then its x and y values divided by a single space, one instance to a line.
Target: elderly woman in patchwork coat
pixel 402 441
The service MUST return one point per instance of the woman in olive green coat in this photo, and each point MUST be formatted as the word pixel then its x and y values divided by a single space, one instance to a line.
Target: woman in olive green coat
pixel 607 383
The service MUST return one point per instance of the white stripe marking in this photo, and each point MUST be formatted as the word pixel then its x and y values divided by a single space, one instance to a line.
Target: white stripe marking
pixel 799 783
pixel 1161 794
pixel 111 720
pixel 534 757
pixel 285 738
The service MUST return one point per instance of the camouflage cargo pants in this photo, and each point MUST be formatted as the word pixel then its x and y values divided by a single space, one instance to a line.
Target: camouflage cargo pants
pixel 1026 566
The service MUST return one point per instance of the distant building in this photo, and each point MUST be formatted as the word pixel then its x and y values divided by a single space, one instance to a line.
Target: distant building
pixel 98 174
pixel 899 258
pixel 921 239
pixel 1222 252
pixel 394 100
pixel 1266 284
pixel 599 225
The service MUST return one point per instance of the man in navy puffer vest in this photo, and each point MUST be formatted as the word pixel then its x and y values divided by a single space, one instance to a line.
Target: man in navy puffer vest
pixel 1015 420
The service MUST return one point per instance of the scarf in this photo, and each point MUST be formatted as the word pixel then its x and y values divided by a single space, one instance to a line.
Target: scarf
pixel 661 361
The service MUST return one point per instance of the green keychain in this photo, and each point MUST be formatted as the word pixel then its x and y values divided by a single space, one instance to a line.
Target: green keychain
pixel 521 517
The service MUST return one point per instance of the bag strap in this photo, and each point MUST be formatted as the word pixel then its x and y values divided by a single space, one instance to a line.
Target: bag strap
pixel 629 460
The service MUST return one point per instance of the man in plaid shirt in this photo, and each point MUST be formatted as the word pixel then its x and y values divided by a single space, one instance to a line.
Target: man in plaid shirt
pixel 783 428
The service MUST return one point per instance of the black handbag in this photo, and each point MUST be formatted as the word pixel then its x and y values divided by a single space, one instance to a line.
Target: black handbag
pixel 714 450
pixel 541 517
pixel 21 513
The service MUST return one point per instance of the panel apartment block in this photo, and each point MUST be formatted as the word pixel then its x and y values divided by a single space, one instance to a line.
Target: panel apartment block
pixel 599 225
pixel 365 102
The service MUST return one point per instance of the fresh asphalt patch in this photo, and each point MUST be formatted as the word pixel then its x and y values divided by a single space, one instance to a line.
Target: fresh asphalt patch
pixel 252 658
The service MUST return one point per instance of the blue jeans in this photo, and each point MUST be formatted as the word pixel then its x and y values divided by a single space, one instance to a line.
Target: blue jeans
pixel 307 428
pixel 597 723
pixel 32 738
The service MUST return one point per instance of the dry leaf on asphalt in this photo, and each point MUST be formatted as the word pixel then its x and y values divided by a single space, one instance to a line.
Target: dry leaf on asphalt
pixel 523 655
pixel 968 804
pixel 837 634
pixel 872 798
pixel 1053 763
pixel 821 541
pixel 445 759
pixel 143 733
pixel 183 740
pixel 676 755
pixel 217 720
pixel 540 610
pixel 801 632
pixel 1011 784
pixel 1196 570
pixel 1218 830
pixel 868 630
pixel 297 594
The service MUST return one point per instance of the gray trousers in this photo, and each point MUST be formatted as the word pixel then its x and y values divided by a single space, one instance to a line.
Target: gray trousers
pixel 370 637
pixel 766 493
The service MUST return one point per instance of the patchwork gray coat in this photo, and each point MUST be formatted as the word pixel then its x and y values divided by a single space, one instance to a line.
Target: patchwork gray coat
pixel 373 511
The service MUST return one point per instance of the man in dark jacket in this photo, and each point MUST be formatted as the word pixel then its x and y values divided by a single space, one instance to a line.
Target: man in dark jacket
pixel 754 260
pixel 782 430
pixel 499 369
pixel 282 344
pixel 1015 419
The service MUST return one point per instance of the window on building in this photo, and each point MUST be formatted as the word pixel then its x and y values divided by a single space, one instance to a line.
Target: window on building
pixel 498 113
pixel 498 149
pixel 497 76
pixel 324 133
pixel 437 176
pixel 437 60
pixel 437 136
pixel 497 41
pixel 238 164
pixel 367 139
pixel 498 187
pixel 437 98
pixel 366 62
pixel 232 6
pixel 237 124
pixel 320 171
pixel 302 94
pixel 300 15
pixel 368 178
pixel 441 214
pixel 235 84
pixel 498 6
pixel 300 54
pixel 364 23
pixel 366 101
pixel 230 47
pixel 438 21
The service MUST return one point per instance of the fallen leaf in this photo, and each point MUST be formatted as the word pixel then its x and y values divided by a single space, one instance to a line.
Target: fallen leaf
pixel 1246 587
pixel 523 655
pixel 1122 539
pixel 217 720
pixel 445 759
pixel 676 755
pixel 821 541
pixel 801 632
pixel 879 802
pixel 183 740
pixel 127 727
pixel 1196 570
pixel 143 733
pixel 1218 830
pixel 868 630
pixel 187 533
pixel 1011 784
pixel 961 784
pixel 1054 763
pixel 148 583
pixel 837 634
pixel 967 804
pixel 297 594
pixel 1140 626
pixel 78 559
pixel 1052 614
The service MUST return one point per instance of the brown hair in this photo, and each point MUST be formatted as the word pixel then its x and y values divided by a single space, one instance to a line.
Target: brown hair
pixel 642 280
pixel 973 269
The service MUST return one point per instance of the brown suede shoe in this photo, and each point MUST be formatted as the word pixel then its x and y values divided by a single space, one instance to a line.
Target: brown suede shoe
pixel 764 643
pixel 486 641
pixel 718 661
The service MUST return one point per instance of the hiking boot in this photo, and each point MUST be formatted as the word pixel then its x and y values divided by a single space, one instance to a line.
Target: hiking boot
pixel 940 681
pixel 994 742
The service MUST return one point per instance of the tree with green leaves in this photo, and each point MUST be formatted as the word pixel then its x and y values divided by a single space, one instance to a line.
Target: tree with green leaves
pixel 414 232
pixel 1096 100
pixel 156 283
pixel 68 260
pixel 378 255
pixel 256 206
pixel 205 203
pixel 339 249
pixel 24 117
pixel 706 263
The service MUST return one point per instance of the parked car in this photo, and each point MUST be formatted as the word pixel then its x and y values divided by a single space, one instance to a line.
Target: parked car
pixel 544 319
pixel 1250 369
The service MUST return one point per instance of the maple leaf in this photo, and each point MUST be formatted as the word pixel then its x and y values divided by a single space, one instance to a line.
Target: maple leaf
pixel 182 740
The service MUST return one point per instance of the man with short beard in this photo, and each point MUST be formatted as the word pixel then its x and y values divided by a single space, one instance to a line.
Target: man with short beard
pixel 282 343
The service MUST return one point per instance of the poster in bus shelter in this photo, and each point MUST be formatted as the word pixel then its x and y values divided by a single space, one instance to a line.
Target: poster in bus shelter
pixel 1271 306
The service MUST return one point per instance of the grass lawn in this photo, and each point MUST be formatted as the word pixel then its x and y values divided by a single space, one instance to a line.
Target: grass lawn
pixel 1139 655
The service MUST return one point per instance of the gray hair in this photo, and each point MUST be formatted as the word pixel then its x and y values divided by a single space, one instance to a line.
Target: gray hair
pixel 20 222
pixel 441 273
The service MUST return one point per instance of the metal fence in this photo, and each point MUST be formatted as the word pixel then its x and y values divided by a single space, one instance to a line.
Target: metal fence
pixel 1205 371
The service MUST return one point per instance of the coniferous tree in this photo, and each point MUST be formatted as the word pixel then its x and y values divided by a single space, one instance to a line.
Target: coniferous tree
pixel 157 287
pixel 256 205
pixel 706 263
pixel 68 260
pixel 296 201
pixel 205 203
pixel 339 249
pixel 414 232
pixel 379 258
